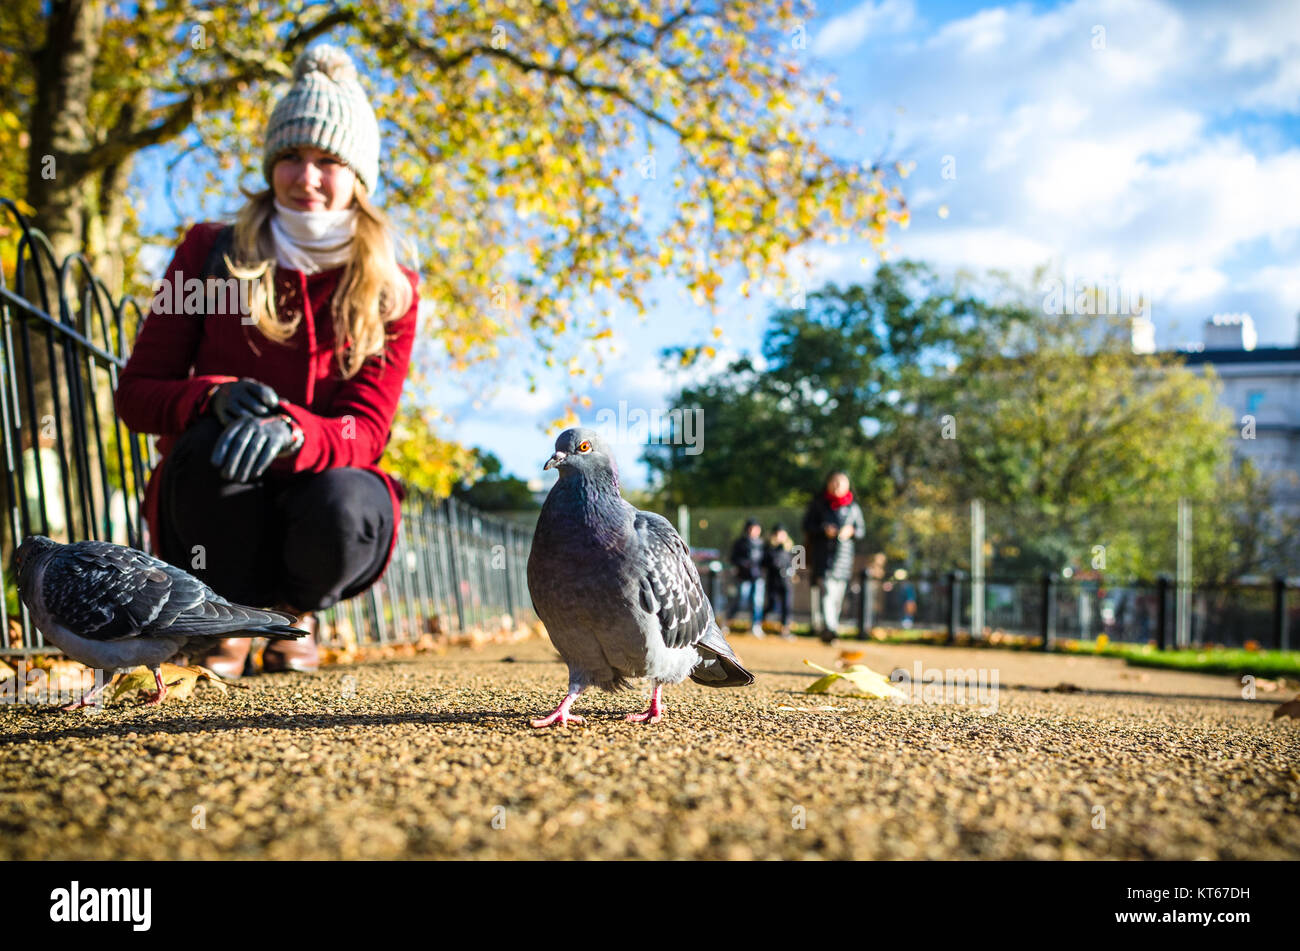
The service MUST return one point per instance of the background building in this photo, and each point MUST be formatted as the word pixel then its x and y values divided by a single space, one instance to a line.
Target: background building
pixel 1261 386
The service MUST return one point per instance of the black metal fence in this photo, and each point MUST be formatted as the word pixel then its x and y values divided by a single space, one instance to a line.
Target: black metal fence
pixel 1051 608
pixel 1081 608
pixel 73 471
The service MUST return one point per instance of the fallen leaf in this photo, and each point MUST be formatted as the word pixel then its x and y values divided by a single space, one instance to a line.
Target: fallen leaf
pixel 851 657
pixel 869 683
pixel 180 682
pixel 334 655
pixel 68 675
pixel 1063 687
pixel 1289 709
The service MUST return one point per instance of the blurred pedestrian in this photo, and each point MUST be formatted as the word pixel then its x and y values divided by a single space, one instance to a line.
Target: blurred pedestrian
pixel 747 558
pixel 831 524
pixel 778 568
pixel 909 603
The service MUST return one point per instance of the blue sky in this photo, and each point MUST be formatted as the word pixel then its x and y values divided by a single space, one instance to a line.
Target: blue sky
pixel 1147 144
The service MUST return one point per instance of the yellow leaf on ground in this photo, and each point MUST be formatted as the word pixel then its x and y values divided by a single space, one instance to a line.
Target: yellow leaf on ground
pixel 868 682
pixel 180 682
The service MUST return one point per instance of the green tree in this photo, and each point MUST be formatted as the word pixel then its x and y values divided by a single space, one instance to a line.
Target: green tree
pixel 493 491
pixel 1064 432
pixel 846 383
pixel 930 396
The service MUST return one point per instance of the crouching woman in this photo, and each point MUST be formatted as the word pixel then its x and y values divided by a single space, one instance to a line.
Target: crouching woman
pixel 272 422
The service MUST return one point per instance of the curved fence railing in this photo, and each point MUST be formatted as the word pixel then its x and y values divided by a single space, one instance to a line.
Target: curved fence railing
pixel 73 471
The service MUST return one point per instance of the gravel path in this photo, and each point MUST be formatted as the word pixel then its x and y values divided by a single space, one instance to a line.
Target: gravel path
pixel 433 757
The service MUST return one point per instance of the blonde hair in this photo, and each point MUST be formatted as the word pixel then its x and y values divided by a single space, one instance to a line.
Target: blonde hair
pixel 372 293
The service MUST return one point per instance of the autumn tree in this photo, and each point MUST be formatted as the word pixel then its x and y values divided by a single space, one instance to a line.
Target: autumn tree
pixel 545 159
pixel 1064 431
pixel 510 129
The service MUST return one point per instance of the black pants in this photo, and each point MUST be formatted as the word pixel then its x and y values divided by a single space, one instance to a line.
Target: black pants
pixel 780 596
pixel 306 540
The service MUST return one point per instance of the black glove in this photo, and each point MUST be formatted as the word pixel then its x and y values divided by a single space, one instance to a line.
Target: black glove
pixel 249 445
pixel 244 397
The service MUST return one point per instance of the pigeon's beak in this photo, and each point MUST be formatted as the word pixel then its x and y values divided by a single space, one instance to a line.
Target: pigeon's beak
pixel 555 460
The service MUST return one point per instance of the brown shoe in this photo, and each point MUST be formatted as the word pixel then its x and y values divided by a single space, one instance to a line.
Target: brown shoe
pixel 301 654
pixel 227 658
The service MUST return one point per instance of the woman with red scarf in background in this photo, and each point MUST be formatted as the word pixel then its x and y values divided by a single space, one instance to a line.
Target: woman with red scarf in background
pixel 830 525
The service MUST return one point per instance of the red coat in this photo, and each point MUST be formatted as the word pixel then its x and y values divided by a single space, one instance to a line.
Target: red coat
pixel 178 358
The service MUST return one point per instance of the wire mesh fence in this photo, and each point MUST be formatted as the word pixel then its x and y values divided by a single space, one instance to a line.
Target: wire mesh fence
pixel 73 471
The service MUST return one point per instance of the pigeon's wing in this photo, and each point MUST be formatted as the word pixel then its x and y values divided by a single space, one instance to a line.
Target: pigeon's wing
pixel 669 583
pixel 105 592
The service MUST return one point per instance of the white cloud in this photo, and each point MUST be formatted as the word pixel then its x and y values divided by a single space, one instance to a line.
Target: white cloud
pixel 1281 280
pixel 1106 136
pixel 846 31
pixel 975 247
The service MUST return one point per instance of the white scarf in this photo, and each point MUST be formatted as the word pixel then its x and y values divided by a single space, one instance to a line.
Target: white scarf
pixel 311 241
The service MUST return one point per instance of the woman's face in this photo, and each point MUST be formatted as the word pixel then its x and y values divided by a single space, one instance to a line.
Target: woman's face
pixel 307 179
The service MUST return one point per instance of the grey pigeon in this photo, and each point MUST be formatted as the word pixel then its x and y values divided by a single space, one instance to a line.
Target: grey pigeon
pixel 616 588
pixel 115 608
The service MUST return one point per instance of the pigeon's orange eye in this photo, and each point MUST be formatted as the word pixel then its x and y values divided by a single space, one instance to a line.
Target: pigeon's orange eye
pixel 584 446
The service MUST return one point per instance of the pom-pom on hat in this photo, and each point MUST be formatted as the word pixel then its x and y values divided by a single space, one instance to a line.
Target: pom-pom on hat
pixel 325 108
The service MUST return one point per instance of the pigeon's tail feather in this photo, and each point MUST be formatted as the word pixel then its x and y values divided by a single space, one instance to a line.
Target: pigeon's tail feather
pixel 720 667
pixel 274 632
pixel 218 619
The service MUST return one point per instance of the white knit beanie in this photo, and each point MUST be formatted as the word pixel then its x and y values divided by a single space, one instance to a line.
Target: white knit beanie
pixel 326 108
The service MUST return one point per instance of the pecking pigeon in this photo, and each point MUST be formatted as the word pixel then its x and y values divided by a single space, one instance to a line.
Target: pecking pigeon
pixel 616 588
pixel 111 607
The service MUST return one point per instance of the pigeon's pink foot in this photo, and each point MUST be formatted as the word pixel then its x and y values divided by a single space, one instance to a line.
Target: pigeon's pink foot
pixel 656 711
pixel 562 716
pixel 162 689
pixel 88 697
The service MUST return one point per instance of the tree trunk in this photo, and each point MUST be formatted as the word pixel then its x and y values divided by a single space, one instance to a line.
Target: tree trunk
pixel 59 189
pixel 106 236
pixel 60 132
